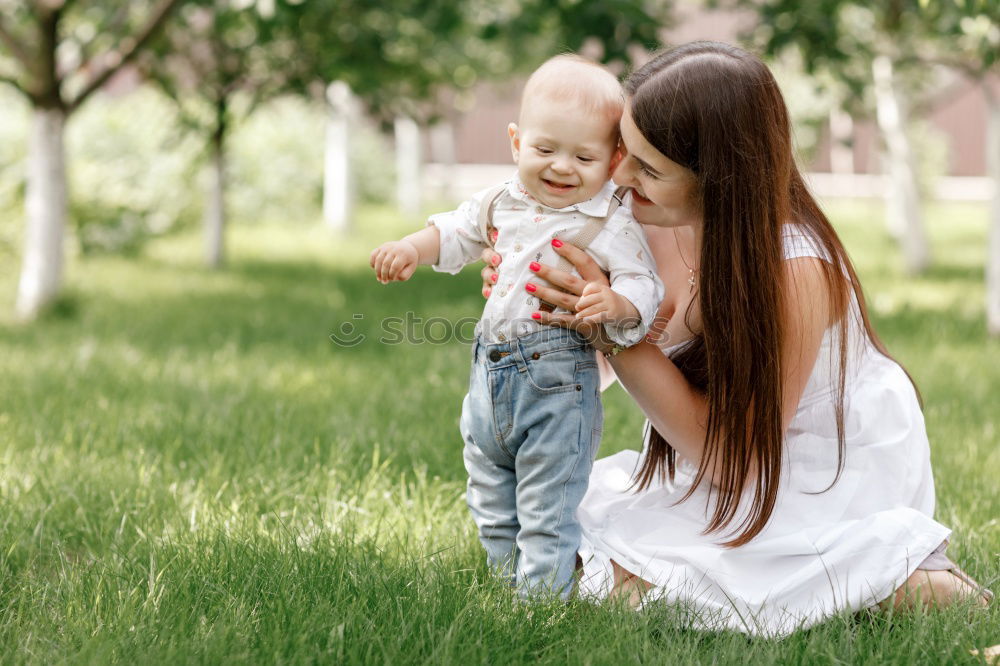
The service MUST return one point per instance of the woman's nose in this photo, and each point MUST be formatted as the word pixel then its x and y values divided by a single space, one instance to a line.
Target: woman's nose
pixel 624 174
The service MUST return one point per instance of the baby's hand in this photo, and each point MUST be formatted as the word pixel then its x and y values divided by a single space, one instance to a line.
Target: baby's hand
pixel 394 261
pixel 600 304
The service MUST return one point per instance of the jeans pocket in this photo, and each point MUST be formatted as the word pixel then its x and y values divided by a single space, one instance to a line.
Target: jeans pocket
pixel 554 371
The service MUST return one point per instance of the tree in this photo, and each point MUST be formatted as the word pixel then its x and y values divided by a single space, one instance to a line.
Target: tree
pixel 219 59
pixel 866 47
pixel 967 40
pixel 896 39
pixel 57 53
pixel 404 59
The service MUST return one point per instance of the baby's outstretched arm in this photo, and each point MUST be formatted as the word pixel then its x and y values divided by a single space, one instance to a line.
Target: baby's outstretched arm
pixel 396 260
pixel 600 304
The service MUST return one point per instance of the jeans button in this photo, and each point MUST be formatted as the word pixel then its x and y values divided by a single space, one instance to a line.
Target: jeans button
pixel 535 356
pixel 495 355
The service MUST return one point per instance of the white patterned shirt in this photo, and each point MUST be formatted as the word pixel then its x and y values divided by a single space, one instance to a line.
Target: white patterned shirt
pixel 526 228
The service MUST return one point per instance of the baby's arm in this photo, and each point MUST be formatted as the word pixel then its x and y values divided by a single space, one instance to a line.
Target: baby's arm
pixel 396 260
pixel 626 308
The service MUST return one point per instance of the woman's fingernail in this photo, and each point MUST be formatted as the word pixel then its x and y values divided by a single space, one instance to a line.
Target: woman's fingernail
pixel 495 260
pixel 494 277
pixel 487 292
pixel 530 287
pixel 536 315
pixel 534 266
pixel 556 242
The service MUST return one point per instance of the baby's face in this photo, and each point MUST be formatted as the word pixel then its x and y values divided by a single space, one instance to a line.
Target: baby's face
pixel 564 155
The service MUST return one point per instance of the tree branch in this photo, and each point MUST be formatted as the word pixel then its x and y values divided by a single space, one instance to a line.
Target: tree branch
pixel 16 48
pixel 11 81
pixel 119 58
pixel 113 26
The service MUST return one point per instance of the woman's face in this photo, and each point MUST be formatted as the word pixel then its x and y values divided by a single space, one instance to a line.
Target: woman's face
pixel 664 194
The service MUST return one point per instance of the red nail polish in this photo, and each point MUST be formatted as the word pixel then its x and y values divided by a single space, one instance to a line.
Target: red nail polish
pixel 487 292
pixel 536 315
pixel 556 242
pixel 494 278
pixel 495 260
pixel 534 266
pixel 530 287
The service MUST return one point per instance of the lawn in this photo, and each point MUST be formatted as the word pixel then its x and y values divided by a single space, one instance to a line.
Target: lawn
pixel 191 470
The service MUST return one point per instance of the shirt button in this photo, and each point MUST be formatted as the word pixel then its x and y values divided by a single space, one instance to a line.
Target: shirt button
pixel 502 338
pixel 539 209
pixel 518 248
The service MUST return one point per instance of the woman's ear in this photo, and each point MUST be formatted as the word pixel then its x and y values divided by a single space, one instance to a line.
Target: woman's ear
pixel 515 140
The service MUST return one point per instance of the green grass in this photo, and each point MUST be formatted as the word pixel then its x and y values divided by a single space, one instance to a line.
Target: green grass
pixel 191 471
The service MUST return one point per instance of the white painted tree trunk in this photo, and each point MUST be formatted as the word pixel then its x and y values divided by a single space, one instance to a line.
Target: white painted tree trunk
pixel 993 260
pixel 41 271
pixel 903 211
pixel 442 140
pixel 841 150
pixel 408 166
pixel 215 208
pixel 338 183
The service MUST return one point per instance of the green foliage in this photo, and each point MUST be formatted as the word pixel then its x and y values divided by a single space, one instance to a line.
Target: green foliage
pixel 841 37
pixel 218 59
pixel 194 473
pixel 135 175
pixel 131 172
pixel 400 55
pixel 13 169
pixel 59 53
pixel 276 163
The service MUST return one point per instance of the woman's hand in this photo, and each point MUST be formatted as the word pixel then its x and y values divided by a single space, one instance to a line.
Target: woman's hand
pixel 566 290
pixel 489 272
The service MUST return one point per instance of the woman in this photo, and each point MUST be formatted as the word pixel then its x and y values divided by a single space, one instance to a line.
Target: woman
pixel 786 472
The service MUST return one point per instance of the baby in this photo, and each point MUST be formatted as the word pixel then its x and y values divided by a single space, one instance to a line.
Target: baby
pixel 532 419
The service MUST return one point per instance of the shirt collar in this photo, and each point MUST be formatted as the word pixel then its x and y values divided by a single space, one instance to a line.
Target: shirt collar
pixel 596 206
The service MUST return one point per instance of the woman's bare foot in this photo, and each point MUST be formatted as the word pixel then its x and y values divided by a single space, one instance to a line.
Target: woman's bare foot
pixel 628 586
pixel 935 588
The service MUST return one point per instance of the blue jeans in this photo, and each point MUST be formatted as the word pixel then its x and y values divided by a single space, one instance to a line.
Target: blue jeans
pixel 531 423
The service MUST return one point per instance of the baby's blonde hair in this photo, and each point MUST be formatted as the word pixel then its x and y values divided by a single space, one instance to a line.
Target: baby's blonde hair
pixel 573 78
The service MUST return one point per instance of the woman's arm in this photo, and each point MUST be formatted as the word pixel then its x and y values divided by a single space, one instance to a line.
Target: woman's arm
pixel 673 406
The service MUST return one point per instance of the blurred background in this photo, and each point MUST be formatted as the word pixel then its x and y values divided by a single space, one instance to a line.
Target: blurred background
pixel 222 440
pixel 122 122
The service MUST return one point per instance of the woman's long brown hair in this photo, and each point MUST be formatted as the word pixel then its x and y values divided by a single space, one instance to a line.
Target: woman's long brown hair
pixel 717 110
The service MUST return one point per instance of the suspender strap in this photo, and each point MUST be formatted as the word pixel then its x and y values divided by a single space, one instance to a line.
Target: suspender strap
pixel 582 239
pixel 592 228
pixel 586 236
pixel 485 220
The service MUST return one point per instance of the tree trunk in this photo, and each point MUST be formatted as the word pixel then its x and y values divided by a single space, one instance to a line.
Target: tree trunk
pixel 215 209
pixel 338 185
pixel 993 261
pixel 904 215
pixel 41 272
pixel 408 166
pixel 442 138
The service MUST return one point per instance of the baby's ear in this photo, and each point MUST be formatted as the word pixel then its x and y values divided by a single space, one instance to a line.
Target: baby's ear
pixel 515 140
pixel 616 158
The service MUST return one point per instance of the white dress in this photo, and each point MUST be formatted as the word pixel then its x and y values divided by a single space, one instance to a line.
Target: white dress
pixel 821 552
